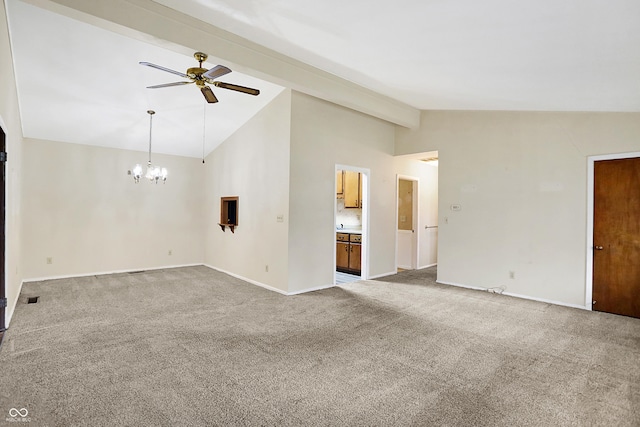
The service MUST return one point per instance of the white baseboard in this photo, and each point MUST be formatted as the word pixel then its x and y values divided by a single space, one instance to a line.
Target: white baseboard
pixel 377 276
pixel 427 266
pixel 510 294
pixel 70 276
pixel 564 304
pixel 475 288
pixel 253 282
pixel 317 288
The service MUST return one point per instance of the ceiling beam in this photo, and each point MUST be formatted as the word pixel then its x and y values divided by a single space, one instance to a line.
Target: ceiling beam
pixel 152 22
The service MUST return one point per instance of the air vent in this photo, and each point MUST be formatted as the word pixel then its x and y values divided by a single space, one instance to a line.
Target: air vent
pixel 32 300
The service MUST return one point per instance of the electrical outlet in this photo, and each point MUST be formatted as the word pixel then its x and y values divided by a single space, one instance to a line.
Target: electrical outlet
pixel 49 260
pixel 512 275
pixel 266 268
pixel 170 252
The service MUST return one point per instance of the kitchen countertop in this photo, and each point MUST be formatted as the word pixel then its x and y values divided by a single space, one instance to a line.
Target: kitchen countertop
pixel 349 230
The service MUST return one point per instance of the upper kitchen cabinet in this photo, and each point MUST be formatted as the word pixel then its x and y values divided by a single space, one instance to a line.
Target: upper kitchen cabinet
pixel 340 184
pixel 352 189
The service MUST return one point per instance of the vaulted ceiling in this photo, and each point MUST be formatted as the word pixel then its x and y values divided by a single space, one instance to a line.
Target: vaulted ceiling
pixel 81 83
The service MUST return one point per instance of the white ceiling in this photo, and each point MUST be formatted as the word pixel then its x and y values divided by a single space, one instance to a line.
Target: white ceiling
pixel 550 55
pixel 80 83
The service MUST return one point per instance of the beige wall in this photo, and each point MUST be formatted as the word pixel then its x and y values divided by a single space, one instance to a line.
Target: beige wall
pixel 10 123
pixel 82 209
pixel 252 164
pixel 521 181
pixel 324 135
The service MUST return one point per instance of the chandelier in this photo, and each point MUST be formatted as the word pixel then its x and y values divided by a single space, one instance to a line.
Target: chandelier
pixel 154 173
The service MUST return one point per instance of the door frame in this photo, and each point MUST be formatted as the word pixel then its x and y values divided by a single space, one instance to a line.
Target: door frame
pixel 366 176
pixel 415 225
pixel 591 160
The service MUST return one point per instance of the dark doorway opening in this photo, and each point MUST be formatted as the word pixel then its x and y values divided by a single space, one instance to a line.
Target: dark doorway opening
pixel 3 177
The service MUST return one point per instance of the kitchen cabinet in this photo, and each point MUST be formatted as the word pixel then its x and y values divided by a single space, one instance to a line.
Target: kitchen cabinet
pixel 348 253
pixel 342 256
pixel 352 189
pixel 340 184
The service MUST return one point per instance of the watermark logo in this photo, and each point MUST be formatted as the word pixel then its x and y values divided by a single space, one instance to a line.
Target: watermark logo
pixel 18 416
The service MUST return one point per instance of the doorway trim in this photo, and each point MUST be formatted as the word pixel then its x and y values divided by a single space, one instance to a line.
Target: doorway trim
pixel 366 175
pixel 415 241
pixel 591 160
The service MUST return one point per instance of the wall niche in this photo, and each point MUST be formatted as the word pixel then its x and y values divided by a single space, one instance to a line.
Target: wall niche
pixel 228 213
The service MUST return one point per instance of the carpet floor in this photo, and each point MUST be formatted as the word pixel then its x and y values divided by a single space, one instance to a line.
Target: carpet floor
pixel 192 346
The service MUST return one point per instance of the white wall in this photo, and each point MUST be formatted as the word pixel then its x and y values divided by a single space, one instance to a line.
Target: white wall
pixel 521 180
pixel 252 164
pixel 323 135
pixel 10 123
pixel 82 209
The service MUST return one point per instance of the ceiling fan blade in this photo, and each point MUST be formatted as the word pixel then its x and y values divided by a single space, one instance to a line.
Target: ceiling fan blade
pixel 215 72
pixel 169 85
pixel 237 88
pixel 208 94
pixel 177 73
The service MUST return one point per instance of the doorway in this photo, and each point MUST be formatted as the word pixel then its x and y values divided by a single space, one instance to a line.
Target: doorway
pixel 406 220
pixel 351 219
pixel 613 254
pixel 3 180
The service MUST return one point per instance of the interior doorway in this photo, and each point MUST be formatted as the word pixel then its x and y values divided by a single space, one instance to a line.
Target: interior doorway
pixel 407 213
pixel 351 219
pixel 616 233
pixel 613 256
pixel 3 180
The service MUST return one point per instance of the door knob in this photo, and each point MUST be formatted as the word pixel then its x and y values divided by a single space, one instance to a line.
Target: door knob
pixel 598 248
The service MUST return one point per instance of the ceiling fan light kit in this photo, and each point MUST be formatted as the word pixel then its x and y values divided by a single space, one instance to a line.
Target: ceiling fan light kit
pixel 201 77
pixel 153 173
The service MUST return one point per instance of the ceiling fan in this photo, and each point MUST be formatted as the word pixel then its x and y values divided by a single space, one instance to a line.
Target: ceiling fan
pixel 201 76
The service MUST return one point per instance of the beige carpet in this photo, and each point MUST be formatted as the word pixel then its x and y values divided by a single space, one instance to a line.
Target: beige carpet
pixel 191 346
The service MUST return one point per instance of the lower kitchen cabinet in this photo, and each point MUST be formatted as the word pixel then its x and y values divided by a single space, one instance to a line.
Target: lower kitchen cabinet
pixel 348 253
pixel 355 257
pixel 342 256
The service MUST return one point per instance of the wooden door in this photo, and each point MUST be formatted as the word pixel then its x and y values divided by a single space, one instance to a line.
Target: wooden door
pixel 342 255
pixel 616 237
pixel 406 236
pixel 355 257
pixel 351 189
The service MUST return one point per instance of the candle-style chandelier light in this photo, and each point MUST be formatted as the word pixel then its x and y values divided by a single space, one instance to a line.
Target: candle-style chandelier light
pixel 154 173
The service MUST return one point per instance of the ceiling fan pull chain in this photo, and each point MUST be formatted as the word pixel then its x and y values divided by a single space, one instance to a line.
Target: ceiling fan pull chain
pixel 204 122
pixel 151 113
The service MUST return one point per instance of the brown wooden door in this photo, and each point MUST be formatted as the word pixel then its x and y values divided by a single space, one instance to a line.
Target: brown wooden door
pixel 342 255
pixel 616 237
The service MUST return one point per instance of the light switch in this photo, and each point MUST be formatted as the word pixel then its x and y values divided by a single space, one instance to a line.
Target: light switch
pixel 456 207
pixel 280 218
